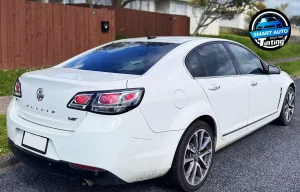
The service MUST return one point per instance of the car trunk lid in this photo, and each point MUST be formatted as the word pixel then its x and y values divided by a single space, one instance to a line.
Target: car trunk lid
pixel 58 86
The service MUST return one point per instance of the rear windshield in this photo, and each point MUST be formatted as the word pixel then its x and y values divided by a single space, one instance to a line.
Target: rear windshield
pixel 124 57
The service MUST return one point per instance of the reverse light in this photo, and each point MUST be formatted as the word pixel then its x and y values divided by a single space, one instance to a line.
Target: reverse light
pixel 17 89
pixel 108 102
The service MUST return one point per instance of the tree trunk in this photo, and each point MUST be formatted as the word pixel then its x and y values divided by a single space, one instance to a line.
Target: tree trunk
pixel 116 3
pixel 203 30
pixel 196 30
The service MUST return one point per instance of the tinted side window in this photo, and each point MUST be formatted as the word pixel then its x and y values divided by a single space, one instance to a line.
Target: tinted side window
pixel 249 63
pixel 216 61
pixel 194 66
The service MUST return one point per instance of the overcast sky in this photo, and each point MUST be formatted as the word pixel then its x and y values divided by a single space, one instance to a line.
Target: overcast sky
pixel 293 9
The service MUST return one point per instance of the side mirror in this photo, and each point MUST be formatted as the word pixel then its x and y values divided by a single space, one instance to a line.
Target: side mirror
pixel 273 69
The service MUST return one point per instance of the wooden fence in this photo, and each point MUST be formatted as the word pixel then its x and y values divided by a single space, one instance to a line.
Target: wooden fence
pixel 294 39
pixel 38 34
pixel 131 23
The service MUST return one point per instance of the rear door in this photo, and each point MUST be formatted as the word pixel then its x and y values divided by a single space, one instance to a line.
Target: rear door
pixel 265 90
pixel 227 93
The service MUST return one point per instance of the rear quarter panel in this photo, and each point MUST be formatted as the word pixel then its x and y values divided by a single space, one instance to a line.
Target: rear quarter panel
pixel 161 82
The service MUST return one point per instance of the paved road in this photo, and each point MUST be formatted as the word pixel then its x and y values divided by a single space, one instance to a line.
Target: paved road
pixel 278 61
pixel 266 160
pixel 4 101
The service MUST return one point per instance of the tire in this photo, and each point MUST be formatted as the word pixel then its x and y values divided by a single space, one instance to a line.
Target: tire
pixel 288 107
pixel 185 153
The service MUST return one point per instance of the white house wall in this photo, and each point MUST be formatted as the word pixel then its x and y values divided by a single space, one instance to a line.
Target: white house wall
pixel 177 8
pixel 295 31
pixel 239 21
pixel 195 13
pixel 144 5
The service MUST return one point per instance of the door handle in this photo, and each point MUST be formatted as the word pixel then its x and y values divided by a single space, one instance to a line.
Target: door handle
pixel 214 87
pixel 253 83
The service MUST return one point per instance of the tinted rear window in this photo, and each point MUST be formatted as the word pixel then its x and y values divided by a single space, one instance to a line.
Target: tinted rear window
pixel 123 57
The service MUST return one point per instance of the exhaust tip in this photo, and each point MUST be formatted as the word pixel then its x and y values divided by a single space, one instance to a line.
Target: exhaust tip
pixel 88 182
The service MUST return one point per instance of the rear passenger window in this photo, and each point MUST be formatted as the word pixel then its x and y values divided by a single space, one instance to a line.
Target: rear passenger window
pixel 194 66
pixel 216 60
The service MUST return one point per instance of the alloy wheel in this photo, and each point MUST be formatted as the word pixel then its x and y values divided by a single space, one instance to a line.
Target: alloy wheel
pixel 198 157
pixel 290 105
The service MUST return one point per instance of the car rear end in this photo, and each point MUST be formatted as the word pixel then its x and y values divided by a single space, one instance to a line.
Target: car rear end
pixel 80 120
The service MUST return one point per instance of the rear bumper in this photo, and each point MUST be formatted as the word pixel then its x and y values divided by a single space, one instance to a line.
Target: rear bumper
pixel 63 169
pixel 123 145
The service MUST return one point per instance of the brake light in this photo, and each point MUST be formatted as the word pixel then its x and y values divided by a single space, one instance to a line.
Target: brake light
pixel 107 102
pixel 111 98
pixel 17 89
pixel 80 101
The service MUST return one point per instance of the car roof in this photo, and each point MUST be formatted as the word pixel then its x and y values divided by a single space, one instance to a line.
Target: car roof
pixel 171 39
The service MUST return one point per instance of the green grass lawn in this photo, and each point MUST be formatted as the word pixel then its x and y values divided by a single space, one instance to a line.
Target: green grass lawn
pixel 8 78
pixel 292 68
pixel 289 50
pixel 3 136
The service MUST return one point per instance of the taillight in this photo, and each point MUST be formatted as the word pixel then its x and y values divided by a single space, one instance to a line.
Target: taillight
pixel 17 89
pixel 107 102
pixel 80 101
pixel 109 98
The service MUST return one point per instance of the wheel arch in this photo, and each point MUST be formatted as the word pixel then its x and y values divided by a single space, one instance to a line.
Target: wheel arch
pixel 205 118
pixel 287 82
pixel 293 85
pixel 211 122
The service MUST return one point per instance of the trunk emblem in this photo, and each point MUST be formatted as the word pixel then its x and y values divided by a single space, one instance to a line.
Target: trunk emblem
pixel 40 94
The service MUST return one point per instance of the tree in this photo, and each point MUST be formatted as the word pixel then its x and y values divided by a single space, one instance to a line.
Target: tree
pixel 120 3
pixel 211 10
pixel 282 7
pixel 254 7
pixel 259 5
pixel 49 1
pixel 115 3
pixel 92 2
pixel 55 1
pixel 295 20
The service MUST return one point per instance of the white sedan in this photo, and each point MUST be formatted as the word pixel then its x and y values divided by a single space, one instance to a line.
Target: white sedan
pixel 141 108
